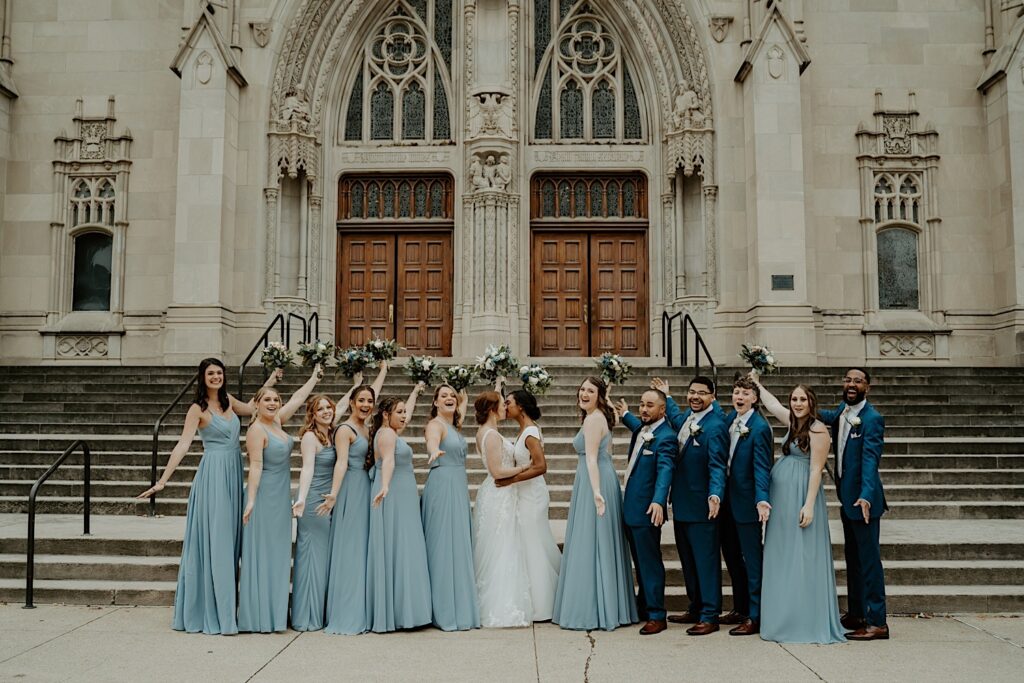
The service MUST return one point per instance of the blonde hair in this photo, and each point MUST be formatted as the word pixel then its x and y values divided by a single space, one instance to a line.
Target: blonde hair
pixel 309 423
pixel 256 400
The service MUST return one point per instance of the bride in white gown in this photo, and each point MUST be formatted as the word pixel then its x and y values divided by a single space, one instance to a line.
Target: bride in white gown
pixel 502 580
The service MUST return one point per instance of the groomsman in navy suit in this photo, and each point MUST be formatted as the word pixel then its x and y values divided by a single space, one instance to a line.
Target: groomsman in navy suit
pixel 698 487
pixel 652 460
pixel 746 505
pixel 858 432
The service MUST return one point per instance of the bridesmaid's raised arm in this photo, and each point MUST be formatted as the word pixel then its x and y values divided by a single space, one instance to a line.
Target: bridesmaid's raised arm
pixel 188 433
pixel 410 403
pixel 298 399
pixel 248 408
pixel 594 429
pixel 772 404
pixel 463 405
pixel 819 454
pixel 387 439
pixel 342 408
pixel 378 383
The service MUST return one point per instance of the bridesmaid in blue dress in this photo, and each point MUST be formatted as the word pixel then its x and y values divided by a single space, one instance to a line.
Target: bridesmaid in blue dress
pixel 267 535
pixel 448 517
pixel 397 580
pixel 798 590
pixel 349 499
pixel 205 599
pixel 595 586
pixel 313 531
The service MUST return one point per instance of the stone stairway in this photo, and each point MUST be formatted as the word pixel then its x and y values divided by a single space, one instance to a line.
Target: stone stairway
pixel 954 456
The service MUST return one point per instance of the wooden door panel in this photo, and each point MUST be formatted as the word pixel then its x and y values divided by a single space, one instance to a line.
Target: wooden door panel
pixel 559 294
pixel 366 264
pixel 618 272
pixel 425 276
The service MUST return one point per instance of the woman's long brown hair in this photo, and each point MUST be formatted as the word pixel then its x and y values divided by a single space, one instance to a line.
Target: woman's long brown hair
pixel 602 400
pixel 457 417
pixel 800 430
pixel 309 423
pixel 386 406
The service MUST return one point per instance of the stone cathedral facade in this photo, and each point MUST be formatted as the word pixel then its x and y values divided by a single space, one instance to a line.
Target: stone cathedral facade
pixel 841 180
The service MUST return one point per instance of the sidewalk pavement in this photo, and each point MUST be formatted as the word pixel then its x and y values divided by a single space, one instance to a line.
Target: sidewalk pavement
pixel 70 643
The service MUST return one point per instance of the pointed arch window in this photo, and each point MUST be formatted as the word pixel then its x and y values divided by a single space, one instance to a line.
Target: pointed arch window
pixel 583 90
pixel 402 86
pixel 897 203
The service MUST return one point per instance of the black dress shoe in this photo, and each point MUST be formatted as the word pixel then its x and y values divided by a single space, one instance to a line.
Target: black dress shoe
pixel 852 623
pixel 869 633
pixel 732 618
pixel 684 618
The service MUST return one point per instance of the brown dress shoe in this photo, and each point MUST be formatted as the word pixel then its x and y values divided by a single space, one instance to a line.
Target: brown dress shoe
pixel 684 618
pixel 732 618
pixel 701 629
pixel 852 623
pixel 869 633
pixel 747 628
pixel 653 626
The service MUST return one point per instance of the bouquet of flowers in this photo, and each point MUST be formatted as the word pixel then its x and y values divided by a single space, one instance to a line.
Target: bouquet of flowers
pixel 382 349
pixel 423 369
pixel 353 361
pixel 316 353
pixel 276 356
pixel 613 369
pixel 536 379
pixel 460 376
pixel 496 362
pixel 760 358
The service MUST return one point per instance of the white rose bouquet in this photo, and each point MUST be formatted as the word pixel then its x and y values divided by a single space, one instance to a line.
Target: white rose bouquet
pixel 496 362
pixel 613 369
pixel 382 349
pixel 276 356
pixel 316 353
pixel 460 376
pixel 536 379
pixel 353 361
pixel 760 358
pixel 423 369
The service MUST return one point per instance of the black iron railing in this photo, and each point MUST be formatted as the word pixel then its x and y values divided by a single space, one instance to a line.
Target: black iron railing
pixel 686 323
pixel 288 329
pixel 30 560
pixel 260 344
pixel 156 439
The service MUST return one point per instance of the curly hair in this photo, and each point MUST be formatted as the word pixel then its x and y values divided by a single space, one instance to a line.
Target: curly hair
pixel 309 423
pixel 602 400
pixel 457 418
pixel 386 406
pixel 800 429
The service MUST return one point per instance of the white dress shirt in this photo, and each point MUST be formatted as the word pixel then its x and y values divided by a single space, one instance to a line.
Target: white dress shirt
pixel 639 446
pixel 684 433
pixel 849 412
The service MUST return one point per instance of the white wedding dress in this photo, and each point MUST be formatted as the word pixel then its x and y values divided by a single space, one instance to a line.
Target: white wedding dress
pixel 539 548
pixel 502 580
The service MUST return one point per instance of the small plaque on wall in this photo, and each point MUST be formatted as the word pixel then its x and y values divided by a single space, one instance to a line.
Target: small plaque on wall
pixel 782 283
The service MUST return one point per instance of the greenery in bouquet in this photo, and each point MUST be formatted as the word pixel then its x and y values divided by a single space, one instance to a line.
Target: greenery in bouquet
pixel 536 379
pixel 496 362
pixel 424 369
pixel 353 361
pixel 460 376
pixel 316 353
pixel 382 349
pixel 276 356
pixel 613 369
pixel 760 358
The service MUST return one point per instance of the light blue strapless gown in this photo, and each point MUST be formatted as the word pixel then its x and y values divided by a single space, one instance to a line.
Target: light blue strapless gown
pixel 798 591
pixel 397 582
pixel 350 527
pixel 448 530
pixel 205 597
pixel 595 586
pixel 313 549
pixel 267 544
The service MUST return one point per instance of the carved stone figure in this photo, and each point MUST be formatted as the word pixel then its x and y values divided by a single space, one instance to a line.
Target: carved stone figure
pixel 502 174
pixel 295 108
pixel 476 174
pixel 490 170
pixel 686 112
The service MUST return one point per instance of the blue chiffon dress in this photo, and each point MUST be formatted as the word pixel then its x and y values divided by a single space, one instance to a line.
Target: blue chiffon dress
pixel 313 549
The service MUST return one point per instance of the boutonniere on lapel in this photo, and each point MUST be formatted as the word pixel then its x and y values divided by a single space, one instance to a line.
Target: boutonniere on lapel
pixel 744 431
pixel 854 421
pixel 647 437
pixel 694 429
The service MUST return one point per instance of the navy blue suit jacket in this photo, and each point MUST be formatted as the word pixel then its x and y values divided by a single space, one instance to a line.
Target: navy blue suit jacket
pixel 700 467
pixel 862 457
pixel 750 473
pixel 652 475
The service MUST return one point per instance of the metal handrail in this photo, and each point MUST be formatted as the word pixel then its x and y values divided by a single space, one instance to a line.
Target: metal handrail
pixel 258 346
pixel 30 560
pixel 288 329
pixel 156 439
pixel 314 326
pixel 666 343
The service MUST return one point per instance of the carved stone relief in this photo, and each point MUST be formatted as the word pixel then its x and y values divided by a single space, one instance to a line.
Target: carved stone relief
pixel 260 32
pixel 907 346
pixel 204 67
pixel 82 346
pixel 776 62
pixel 719 25
pixel 490 172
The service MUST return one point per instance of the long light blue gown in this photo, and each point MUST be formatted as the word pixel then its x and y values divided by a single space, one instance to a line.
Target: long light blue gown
pixel 267 544
pixel 350 527
pixel 448 530
pixel 397 582
pixel 595 586
pixel 313 549
pixel 205 597
pixel 798 591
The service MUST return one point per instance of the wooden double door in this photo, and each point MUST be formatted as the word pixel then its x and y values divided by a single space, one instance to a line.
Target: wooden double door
pixel 588 293
pixel 396 286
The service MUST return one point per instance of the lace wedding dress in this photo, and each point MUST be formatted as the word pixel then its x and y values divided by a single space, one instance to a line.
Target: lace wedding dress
pixel 502 581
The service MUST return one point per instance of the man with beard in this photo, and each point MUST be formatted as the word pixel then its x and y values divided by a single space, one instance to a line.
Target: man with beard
pixel 858 432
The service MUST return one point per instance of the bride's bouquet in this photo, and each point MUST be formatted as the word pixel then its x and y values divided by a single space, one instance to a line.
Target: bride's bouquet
pixel 760 358
pixel 382 349
pixel 613 369
pixel 353 361
pixel 423 369
pixel 316 353
pixel 458 377
pixel 536 379
pixel 276 356
pixel 496 362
